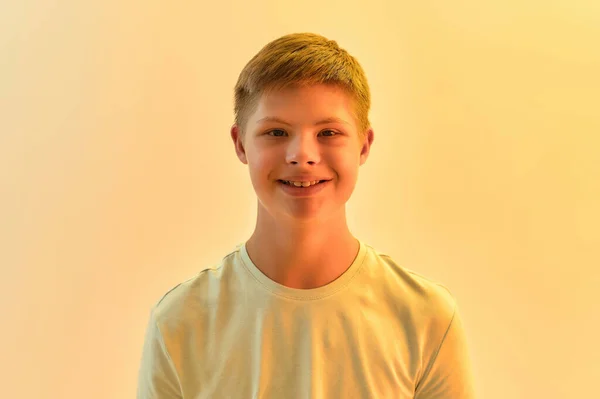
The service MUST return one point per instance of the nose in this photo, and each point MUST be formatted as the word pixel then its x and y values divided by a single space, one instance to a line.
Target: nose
pixel 303 150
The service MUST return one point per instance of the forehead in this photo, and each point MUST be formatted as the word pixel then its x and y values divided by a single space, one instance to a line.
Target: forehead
pixel 296 103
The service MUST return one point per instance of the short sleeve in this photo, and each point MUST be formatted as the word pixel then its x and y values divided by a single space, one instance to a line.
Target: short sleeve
pixel 449 375
pixel 157 377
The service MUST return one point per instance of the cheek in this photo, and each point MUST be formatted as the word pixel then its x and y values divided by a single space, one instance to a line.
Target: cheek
pixel 262 168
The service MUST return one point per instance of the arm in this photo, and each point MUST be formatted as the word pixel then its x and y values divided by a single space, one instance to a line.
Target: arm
pixel 157 378
pixel 449 375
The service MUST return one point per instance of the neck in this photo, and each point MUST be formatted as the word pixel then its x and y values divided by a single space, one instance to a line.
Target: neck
pixel 303 256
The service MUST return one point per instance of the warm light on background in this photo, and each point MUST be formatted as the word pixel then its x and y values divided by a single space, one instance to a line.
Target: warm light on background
pixel 118 177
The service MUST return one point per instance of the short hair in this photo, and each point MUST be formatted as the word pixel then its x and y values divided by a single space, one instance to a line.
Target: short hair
pixel 301 59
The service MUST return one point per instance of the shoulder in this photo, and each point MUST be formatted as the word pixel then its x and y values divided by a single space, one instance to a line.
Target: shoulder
pixel 192 297
pixel 424 295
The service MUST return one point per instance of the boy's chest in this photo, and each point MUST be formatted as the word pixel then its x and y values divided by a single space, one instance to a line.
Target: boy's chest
pixel 300 355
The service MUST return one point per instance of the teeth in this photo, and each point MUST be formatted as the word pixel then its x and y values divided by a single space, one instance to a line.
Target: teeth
pixel 302 184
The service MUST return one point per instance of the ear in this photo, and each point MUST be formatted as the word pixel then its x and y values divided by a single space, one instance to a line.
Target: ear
pixel 238 143
pixel 366 145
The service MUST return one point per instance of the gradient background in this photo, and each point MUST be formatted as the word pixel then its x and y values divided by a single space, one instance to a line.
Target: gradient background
pixel 119 179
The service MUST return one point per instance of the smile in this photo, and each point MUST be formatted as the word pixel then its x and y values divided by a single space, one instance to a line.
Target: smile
pixel 301 191
pixel 301 184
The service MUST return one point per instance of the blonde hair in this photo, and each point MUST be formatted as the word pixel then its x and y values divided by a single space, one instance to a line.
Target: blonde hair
pixel 301 59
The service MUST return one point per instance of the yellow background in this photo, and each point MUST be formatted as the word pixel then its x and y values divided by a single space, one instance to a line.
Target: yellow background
pixel 118 177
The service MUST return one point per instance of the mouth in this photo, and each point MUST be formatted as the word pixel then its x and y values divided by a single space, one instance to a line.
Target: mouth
pixel 290 184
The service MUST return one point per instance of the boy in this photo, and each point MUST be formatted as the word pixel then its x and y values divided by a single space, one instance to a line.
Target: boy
pixel 303 309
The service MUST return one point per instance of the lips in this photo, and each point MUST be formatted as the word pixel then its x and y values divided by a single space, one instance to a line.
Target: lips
pixel 303 178
pixel 300 191
pixel 290 184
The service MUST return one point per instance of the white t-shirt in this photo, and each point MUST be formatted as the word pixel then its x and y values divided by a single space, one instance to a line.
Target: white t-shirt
pixel 377 331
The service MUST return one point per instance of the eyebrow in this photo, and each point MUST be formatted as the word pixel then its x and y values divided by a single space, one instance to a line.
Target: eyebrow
pixel 332 119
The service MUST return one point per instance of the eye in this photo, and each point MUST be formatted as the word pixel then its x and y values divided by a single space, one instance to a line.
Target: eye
pixel 327 130
pixel 276 130
pixel 331 131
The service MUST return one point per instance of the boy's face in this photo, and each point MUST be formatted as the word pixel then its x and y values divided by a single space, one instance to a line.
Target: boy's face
pixel 274 150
